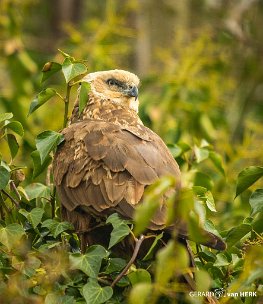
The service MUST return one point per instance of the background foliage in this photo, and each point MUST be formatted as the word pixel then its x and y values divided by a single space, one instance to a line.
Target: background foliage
pixel 201 91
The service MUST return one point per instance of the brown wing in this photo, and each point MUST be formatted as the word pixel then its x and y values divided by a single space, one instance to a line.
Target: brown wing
pixel 104 167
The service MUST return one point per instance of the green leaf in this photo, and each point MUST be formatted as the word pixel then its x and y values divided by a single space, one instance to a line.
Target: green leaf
pixel 38 167
pixel 248 177
pixel 41 99
pixel 221 260
pixel 209 226
pixel 12 144
pixel 49 69
pixel 83 96
pixel 36 190
pixel 146 210
pixel 46 142
pixel 56 298
pixel 4 177
pixel 72 69
pixel 115 265
pixel 208 256
pixel 34 217
pixel 175 150
pixel 95 294
pixel 203 280
pixel 16 127
pixel 173 256
pixel 149 254
pixel 120 229
pixel 217 161
pixel 237 233
pixel 210 203
pixel 205 196
pixel 90 262
pixel 203 180
pixel 55 227
pixel 139 276
pixel 256 201
pixel 11 235
pixel 66 55
pixel 5 116
pixel 140 293
pixel 201 154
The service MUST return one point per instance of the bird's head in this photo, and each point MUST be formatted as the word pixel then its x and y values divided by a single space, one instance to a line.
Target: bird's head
pixel 118 86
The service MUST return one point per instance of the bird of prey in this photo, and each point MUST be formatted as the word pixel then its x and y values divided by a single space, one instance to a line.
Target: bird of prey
pixel 109 158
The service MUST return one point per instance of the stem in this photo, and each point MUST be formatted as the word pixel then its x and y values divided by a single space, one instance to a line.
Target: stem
pixel 66 100
pixel 138 244
pixel 11 198
pixel 53 205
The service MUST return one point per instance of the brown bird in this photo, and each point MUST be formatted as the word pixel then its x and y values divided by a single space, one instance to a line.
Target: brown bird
pixel 109 158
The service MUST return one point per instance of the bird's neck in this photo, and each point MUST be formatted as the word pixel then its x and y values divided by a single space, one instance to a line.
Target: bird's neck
pixel 106 110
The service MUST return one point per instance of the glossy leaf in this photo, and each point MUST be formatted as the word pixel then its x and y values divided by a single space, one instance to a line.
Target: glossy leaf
pixel 5 116
pixel 237 233
pixel 49 69
pixel 221 260
pixel 66 55
pixel 139 276
pixel 55 227
pixel 83 96
pixel 201 154
pixel 11 235
pixel 16 127
pixel 248 177
pixel 12 144
pixel 217 161
pixel 56 298
pixel 41 99
pixel 120 229
pixel 205 196
pixel 36 190
pixel 38 167
pixel 34 216
pixel 72 69
pixel 203 180
pixel 4 176
pixel 149 254
pixel 115 265
pixel 210 201
pixel 256 201
pixel 46 142
pixel 90 262
pixel 95 294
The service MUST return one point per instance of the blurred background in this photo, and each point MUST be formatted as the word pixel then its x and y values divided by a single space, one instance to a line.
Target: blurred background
pixel 200 64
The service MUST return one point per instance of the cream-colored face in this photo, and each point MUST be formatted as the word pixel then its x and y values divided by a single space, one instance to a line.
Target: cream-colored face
pixel 116 85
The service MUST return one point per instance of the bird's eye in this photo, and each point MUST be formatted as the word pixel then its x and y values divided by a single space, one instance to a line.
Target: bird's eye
pixel 111 82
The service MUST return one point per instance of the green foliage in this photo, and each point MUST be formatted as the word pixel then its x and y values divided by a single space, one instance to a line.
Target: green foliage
pixel 90 262
pixel 120 229
pixel 95 294
pixel 202 95
pixel 46 142
pixel 31 224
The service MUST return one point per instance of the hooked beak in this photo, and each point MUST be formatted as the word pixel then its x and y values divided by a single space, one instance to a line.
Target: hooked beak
pixel 132 92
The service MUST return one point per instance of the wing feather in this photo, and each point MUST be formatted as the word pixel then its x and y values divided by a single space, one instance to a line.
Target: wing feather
pixel 106 166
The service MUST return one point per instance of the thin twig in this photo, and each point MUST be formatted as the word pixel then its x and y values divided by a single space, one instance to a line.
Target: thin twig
pixel 14 188
pixel 138 244
pixel 48 175
pixel 11 198
pixel 52 201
